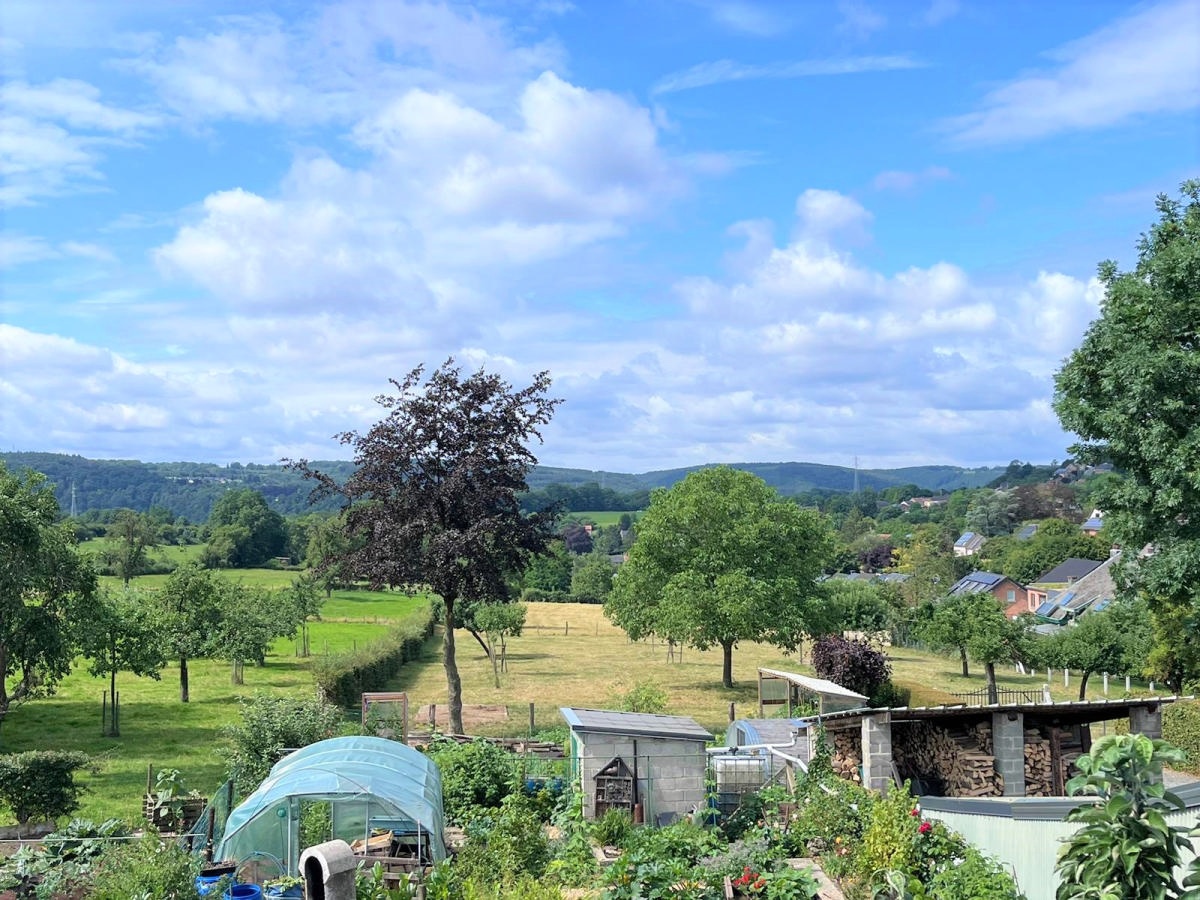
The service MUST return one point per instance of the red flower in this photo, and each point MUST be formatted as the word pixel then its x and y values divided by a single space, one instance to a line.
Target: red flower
pixel 914 812
pixel 925 828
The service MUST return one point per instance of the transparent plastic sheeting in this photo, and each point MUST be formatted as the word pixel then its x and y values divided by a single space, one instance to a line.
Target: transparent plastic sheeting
pixel 364 778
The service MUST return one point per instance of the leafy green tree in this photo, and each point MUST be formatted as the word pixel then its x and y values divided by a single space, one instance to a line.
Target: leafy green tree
pixel 1106 641
pixel 991 513
pixel 246 530
pixel 187 612
pixel 549 571
pixel 306 602
pixel 1055 540
pixel 996 638
pixel 928 560
pixel 250 619
pixel 45 586
pixel 721 558
pixel 119 634
pixel 499 621
pixel 592 579
pixel 434 496
pixel 1131 392
pixel 326 553
pixel 948 627
pixel 131 538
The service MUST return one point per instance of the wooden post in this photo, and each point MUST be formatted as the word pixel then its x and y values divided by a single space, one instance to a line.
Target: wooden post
pixel 1056 763
pixel 104 714
pixel 433 715
pixel 531 721
pixel 566 628
pixel 732 716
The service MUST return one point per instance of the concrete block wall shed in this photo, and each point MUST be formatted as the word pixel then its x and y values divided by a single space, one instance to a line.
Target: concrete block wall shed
pixel 639 761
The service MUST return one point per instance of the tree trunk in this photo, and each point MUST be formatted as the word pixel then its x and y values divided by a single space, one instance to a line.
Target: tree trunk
pixel 237 676
pixel 727 663
pixel 962 652
pixel 495 667
pixel 993 693
pixel 478 637
pixel 1083 684
pixel 453 682
pixel 183 679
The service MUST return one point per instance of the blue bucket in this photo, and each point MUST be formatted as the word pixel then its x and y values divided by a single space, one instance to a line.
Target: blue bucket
pixel 206 884
pixel 244 892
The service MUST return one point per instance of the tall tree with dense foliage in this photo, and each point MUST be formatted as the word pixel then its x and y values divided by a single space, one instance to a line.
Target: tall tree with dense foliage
pixel 244 531
pixel 434 496
pixel 1113 640
pixel 187 612
pixel 45 585
pixel 722 558
pixel 1131 392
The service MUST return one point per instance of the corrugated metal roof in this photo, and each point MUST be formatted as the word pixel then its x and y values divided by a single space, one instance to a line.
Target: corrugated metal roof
pixel 816 685
pixel 608 721
pixel 904 713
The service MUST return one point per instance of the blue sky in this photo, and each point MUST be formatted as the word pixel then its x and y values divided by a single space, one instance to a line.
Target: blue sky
pixel 731 230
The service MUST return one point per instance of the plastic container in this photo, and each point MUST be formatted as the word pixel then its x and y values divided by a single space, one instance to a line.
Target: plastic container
pixel 244 892
pixel 206 884
pixel 295 892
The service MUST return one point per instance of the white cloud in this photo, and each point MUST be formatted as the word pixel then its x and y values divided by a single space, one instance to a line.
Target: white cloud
pixel 449 191
pixel 940 11
pixel 905 182
pixel 859 19
pixel 17 249
pixel 52 138
pixel 1143 64
pixel 725 70
pixel 339 63
pixel 755 19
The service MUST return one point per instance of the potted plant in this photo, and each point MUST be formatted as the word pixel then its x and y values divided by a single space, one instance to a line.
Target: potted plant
pixel 171 806
pixel 287 887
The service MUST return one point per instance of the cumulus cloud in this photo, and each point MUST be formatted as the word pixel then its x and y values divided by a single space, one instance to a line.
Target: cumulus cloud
pixel 1143 64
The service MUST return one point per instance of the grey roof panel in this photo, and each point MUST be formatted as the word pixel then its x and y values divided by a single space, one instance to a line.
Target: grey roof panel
pixel 608 721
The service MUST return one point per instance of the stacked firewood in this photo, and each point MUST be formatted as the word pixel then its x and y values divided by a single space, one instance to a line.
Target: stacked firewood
pixel 847 755
pixel 1039 780
pixel 961 761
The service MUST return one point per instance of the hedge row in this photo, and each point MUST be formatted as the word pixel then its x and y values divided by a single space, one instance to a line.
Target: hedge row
pixel 343 677
pixel 1181 727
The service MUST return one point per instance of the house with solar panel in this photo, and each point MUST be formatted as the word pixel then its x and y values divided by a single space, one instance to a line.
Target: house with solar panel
pixel 1058 579
pixel 1012 595
pixel 1091 593
pixel 1091 527
pixel 968 544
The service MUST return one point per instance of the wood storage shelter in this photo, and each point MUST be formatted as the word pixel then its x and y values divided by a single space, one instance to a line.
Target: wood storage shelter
pixel 646 763
pixel 778 688
pixel 369 783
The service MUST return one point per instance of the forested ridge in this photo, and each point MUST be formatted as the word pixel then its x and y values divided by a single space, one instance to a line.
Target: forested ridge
pixel 189 489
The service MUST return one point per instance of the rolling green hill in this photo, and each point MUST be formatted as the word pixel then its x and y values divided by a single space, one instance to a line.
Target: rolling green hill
pixel 189 489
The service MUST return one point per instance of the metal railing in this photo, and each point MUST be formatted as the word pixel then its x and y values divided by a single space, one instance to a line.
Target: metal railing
pixel 1003 695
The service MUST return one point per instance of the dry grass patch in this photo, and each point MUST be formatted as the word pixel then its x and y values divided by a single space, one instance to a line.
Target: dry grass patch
pixel 571 655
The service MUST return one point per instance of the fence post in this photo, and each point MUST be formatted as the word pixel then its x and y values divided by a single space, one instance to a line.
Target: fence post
pixel 1127 684
pixel 531 720
pixel 1066 677
pixel 1105 684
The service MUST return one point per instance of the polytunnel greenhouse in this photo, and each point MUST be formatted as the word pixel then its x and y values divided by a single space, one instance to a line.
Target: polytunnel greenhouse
pixel 356 786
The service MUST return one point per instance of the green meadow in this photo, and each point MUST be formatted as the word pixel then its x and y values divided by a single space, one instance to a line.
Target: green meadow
pixel 158 730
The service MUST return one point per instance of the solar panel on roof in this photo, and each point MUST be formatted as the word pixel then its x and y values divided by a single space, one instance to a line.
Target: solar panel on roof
pixel 1065 597
pixel 1046 608
pixel 1101 604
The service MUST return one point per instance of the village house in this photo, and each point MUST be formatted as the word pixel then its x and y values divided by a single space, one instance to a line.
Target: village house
pixel 1012 596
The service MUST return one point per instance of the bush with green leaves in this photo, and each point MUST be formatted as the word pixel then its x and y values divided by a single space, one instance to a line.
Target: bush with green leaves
pixel 270 726
pixel 507 844
pixel 41 783
pixel 62 862
pixel 476 777
pixel 1125 848
pixel 647 696
pixel 146 869
pixel 1181 728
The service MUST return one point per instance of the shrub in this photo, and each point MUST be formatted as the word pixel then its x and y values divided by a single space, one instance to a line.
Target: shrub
pixel 41 783
pixel 476 777
pixel 268 727
pixel 343 677
pixel 62 863
pixel 538 595
pixel 644 697
pixel 853 664
pixel 506 845
pixel 1181 727
pixel 148 869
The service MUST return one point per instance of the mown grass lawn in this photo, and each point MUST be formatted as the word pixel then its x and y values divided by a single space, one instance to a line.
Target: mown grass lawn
pixel 607 516
pixel 158 730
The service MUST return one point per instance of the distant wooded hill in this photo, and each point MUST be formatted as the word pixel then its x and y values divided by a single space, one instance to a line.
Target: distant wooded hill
pixel 189 489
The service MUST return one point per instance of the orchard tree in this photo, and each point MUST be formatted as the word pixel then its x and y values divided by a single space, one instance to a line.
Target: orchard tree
pixel 1131 392
pixel 45 586
pixel 500 621
pixel 187 612
pixel 947 626
pixel 592 579
pixel 722 558
pixel 119 634
pixel 433 498
pixel 131 537
pixel 1113 640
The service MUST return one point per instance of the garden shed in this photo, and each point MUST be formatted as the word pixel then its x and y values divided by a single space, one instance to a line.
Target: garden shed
pixel 365 784
pixel 648 764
